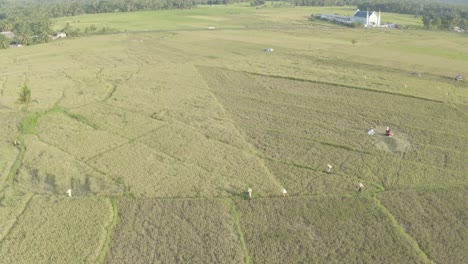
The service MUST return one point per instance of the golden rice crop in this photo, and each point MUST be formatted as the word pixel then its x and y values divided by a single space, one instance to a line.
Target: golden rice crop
pixel 58 230
pixel 435 218
pixel 175 231
pixel 76 138
pixel 47 169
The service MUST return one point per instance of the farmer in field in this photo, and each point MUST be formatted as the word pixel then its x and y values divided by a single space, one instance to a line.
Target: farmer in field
pixel 328 168
pixel 250 193
pixel 389 132
pixel 360 186
pixel 371 132
pixel 69 193
pixel 284 192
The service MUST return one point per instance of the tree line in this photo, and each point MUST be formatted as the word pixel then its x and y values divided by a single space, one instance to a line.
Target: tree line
pixel 441 14
pixel 434 15
pixel 61 8
pixel 30 20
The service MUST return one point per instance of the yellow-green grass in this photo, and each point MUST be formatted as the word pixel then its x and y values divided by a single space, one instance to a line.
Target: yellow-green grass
pixel 195 18
pixel 12 204
pixel 58 230
pixel 49 170
pixel 435 218
pixel 8 151
pixel 308 125
pixel 221 17
pixel 208 113
pixel 122 122
pixel 323 229
pixel 175 231
pixel 175 170
pixel 74 137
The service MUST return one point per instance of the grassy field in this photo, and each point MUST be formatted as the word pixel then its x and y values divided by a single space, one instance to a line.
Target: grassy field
pixel 159 131
pixel 323 229
pixel 434 219
pixel 175 231
pixel 58 230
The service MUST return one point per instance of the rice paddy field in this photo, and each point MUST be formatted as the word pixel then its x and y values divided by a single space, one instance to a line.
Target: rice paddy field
pixel 160 129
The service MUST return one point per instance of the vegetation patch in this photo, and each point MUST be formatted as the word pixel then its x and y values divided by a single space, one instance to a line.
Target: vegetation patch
pixel 310 125
pixel 172 231
pixel 118 121
pixel 40 172
pixel 153 114
pixel 28 124
pixel 72 230
pixel 435 218
pixel 74 137
pixel 300 229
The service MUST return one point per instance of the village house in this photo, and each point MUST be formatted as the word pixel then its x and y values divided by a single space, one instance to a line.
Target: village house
pixel 368 19
pixel 371 19
pixel 59 35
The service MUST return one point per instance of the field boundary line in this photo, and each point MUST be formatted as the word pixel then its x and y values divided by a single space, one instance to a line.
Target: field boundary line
pixel 110 93
pixel 328 83
pixel 229 202
pixel 346 86
pixel 357 151
pixel 17 216
pixel 17 164
pixel 250 149
pixel 400 230
pixel 109 232
pixel 4 85
pixel 99 172
pixel 262 100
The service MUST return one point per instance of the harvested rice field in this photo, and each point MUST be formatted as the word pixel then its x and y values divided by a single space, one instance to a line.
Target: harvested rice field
pixel 139 146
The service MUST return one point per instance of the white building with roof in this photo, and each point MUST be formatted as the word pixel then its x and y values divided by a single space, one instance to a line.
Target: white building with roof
pixel 369 19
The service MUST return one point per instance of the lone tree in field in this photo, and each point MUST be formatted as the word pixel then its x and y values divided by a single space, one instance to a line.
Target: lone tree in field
pixel 24 95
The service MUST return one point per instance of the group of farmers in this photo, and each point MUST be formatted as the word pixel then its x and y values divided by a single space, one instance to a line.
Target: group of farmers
pixel 328 168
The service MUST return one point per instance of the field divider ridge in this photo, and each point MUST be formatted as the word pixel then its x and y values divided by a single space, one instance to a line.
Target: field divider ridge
pixel 250 149
pixel 402 232
pixel 17 216
pixel 230 203
pixel 109 232
pixel 344 85
pixel 17 164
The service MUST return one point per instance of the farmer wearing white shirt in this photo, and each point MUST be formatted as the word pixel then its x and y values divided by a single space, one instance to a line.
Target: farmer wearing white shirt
pixel 250 193
pixel 284 192
pixel 360 186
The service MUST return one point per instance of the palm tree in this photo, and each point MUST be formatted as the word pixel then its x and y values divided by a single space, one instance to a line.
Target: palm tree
pixel 4 41
pixel 24 95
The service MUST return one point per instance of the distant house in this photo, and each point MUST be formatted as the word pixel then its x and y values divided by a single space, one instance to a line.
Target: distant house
pixel 368 19
pixel 59 35
pixel 8 34
pixel 371 19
